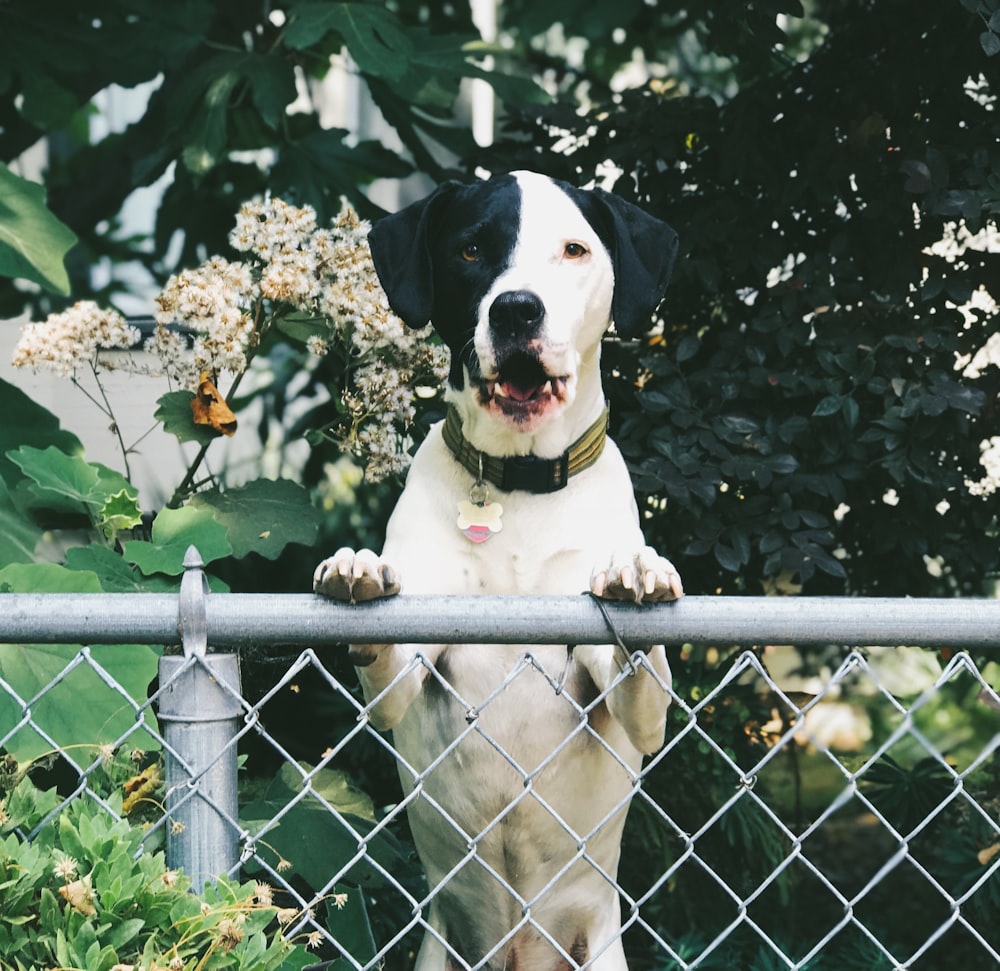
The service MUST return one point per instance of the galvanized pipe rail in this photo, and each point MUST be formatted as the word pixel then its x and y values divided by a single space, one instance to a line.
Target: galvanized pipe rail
pixel 234 621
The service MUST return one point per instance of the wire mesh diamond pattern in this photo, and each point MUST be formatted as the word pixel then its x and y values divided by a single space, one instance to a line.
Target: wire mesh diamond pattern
pixel 854 822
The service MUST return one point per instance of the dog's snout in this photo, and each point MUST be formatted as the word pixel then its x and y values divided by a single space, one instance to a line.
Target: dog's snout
pixel 517 312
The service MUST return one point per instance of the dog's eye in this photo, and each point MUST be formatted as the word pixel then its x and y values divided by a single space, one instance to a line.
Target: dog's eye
pixel 470 252
pixel 573 251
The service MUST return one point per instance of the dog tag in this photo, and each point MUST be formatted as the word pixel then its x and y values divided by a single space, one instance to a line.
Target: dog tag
pixel 479 518
pixel 479 521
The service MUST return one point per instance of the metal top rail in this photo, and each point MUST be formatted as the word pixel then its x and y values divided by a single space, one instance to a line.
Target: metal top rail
pixel 243 620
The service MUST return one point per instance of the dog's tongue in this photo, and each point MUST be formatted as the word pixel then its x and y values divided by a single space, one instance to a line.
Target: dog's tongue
pixel 521 392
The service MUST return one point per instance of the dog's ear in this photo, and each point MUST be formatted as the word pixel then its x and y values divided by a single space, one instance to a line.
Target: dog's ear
pixel 643 249
pixel 401 252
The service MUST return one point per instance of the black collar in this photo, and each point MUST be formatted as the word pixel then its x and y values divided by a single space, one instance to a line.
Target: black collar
pixel 526 472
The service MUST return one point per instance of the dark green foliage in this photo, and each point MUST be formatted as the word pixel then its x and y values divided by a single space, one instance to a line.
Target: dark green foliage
pixel 224 73
pixel 808 355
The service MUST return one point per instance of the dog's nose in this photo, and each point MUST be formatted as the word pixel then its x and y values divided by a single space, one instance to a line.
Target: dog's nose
pixel 517 312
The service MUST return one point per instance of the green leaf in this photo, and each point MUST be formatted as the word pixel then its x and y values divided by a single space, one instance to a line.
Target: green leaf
pixel 174 530
pixel 25 421
pixel 33 243
pixel 272 82
pixel 829 405
pixel 121 511
pixel 263 516
pixel 309 824
pixel 18 536
pixel 373 35
pixel 114 574
pixel 990 43
pixel 60 482
pixel 347 920
pixel 301 327
pixel 68 483
pixel 82 708
pixel 47 103
pixel 174 412
pixel 321 163
pixel 118 576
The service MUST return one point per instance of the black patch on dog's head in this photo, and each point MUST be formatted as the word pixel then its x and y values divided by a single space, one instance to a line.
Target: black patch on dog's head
pixel 437 258
pixel 642 249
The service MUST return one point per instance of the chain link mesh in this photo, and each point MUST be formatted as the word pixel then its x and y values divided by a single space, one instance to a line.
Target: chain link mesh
pixel 856 815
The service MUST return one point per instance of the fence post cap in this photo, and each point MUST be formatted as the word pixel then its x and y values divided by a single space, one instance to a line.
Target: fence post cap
pixel 192 620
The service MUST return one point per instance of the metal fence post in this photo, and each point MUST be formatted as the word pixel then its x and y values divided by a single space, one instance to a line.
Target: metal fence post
pixel 199 712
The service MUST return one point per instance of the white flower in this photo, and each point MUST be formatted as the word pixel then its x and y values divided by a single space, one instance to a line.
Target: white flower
pixel 989 458
pixel 71 339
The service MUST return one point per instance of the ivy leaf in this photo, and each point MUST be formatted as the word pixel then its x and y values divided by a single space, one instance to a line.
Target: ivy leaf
pixel 175 414
pixel 263 516
pixel 174 530
pixel 33 243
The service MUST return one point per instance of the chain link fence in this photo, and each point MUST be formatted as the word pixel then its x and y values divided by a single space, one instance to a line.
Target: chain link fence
pixel 813 807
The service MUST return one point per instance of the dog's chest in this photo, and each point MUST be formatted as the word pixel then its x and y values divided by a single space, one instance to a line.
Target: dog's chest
pixel 547 544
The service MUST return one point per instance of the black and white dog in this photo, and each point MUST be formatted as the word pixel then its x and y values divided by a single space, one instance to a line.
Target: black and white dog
pixel 518 492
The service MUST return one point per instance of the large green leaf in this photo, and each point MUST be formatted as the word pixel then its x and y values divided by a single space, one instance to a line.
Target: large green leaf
pixel 33 243
pixel 60 482
pixel 347 920
pixel 25 421
pixel 309 824
pixel 263 516
pixel 373 35
pixel 71 484
pixel 320 163
pixel 174 530
pixel 18 536
pixel 118 576
pixel 76 707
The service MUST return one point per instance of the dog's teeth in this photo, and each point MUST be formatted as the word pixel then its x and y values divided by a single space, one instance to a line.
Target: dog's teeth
pixel 499 392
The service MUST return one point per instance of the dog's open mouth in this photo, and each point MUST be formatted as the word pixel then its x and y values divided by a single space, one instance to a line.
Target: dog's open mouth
pixel 522 388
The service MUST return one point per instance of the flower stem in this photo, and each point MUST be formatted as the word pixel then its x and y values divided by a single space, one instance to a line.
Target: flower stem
pixel 109 411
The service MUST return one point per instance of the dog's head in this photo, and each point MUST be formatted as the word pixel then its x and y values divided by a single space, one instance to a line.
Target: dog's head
pixel 521 275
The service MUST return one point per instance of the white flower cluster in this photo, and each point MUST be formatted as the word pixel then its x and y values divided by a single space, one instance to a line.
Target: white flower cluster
pixel 989 458
pixel 72 339
pixel 211 319
pixel 216 302
pixel 327 276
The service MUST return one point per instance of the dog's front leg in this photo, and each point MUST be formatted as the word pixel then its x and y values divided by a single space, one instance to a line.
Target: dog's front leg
pixel 638 701
pixel 356 577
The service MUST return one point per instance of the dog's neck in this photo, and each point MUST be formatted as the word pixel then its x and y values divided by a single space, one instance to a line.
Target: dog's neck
pixel 527 473
pixel 536 461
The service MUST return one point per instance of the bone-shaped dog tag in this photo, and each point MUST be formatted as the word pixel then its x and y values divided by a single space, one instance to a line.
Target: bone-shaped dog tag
pixel 479 518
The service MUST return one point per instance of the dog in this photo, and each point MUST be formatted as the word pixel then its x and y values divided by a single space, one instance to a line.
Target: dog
pixel 518 491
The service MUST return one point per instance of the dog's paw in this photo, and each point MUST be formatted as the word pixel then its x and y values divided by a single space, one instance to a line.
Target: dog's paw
pixel 645 577
pixel 355 577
